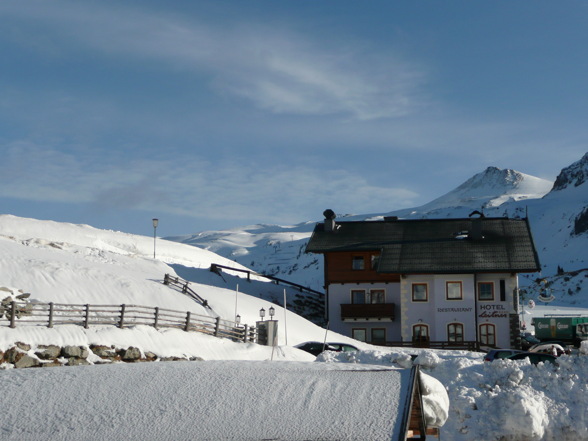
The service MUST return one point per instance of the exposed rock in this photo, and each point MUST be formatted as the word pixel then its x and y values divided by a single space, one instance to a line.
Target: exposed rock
pixel 24 346
pixel 132 354
pixel 581 222
pixel 73 361
pixel 48 352
pixel 75 351
pixel 574 175
pixel 150 356
pixel 173 359
pixel 13 354
pixel 196 359
pixel 27 361
pixel 53 363
pixel 104 351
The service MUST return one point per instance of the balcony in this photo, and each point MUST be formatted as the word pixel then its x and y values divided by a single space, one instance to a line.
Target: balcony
pixel 367 311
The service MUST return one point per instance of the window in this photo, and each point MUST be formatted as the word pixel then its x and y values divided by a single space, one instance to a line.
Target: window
pixel 485 291
pixel 378 336
pixel 358 297
pixel 377 296
pixel 375 260
pixel 420 333
pixel 455 332
pixel 502 290
pixel 420 292
pixel 454 291
pixel 358 334
pixel 488 334
pixel 357 263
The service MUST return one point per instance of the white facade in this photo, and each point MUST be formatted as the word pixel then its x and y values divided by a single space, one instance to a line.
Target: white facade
pixel 456 307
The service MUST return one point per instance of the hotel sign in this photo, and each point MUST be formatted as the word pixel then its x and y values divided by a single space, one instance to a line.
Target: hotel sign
pixel 492 311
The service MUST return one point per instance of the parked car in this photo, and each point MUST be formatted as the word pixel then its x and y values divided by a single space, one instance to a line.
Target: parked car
pixel 534 357
pixel 316 347
pixel 528 340
pixel 342 347
pixel 495 354
pixel 547 348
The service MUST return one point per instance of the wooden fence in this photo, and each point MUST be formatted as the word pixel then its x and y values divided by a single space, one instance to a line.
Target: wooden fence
pixel 121 316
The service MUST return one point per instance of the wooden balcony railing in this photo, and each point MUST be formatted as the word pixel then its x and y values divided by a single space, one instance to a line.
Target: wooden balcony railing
pixel 367 311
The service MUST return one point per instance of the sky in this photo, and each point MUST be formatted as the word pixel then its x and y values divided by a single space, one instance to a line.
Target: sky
pixel 217 114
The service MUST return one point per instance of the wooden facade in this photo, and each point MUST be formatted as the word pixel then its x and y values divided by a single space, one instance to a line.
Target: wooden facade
pixel 339 268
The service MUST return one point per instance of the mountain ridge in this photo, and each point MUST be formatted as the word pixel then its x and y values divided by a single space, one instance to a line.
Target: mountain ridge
pixel 555 211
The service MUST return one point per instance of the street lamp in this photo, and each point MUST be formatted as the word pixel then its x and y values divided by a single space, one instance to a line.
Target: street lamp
pixel 155 222
pixel 262 313
pixel 237 319
pixel 272 311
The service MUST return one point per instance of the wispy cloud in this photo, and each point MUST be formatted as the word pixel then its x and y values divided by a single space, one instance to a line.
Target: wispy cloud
pixel 198 188
pixel 273 68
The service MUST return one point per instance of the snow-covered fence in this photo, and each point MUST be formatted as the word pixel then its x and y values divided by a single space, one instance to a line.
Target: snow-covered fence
pixel 54 314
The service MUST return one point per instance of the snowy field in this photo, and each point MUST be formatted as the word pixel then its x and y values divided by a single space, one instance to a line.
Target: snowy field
pixel 502 400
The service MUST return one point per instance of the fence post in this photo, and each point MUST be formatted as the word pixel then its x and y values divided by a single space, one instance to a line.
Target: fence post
pixel 13 314
pixel 187 327
pixel 87 318
pixel 50 325
pixel 156 316
pixel 122 316
pixel 217 326
pixel 166 279
pixel 245 333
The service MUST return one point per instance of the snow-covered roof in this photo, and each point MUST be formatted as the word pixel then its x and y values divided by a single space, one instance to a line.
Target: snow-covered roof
pixel 212 400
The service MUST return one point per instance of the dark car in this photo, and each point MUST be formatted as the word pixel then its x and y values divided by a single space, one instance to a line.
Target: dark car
pixel 316 347
pixel 528 340
pixel 496 354
pixel 534 357
pixel 342 347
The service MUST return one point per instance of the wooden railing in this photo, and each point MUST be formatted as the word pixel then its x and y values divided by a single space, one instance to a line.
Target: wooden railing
pixel 184 286
pixel 121 316
pixel 216 268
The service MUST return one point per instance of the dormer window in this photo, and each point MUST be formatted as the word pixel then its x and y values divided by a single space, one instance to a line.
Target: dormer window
pixel 358 263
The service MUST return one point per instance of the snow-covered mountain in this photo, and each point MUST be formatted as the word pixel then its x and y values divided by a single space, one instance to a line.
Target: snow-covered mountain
pixel 57 262
pixel 558 214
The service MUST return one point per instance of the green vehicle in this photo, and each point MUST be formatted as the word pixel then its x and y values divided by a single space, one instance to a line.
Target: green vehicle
pixel 568 329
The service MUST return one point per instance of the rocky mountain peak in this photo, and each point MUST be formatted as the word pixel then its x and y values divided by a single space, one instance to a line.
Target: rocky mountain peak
pixel 572 176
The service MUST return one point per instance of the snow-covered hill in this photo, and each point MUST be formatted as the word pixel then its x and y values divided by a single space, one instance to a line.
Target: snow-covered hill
pixel 558 214
pixel 80 264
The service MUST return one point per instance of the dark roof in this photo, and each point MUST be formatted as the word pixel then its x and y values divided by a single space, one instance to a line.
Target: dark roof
pixel 435 245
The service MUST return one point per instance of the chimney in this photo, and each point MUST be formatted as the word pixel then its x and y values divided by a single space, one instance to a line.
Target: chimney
pixel 476 232
pixel 329 219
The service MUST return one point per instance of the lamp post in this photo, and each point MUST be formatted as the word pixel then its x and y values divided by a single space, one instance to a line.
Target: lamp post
pixel 272 311
pixel 155 222
pixel 262 313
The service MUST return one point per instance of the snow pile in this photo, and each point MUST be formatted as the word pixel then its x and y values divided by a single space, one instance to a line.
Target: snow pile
pixel 504 399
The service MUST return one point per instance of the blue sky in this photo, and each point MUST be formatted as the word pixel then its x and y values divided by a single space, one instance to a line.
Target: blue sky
pixel 218 114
